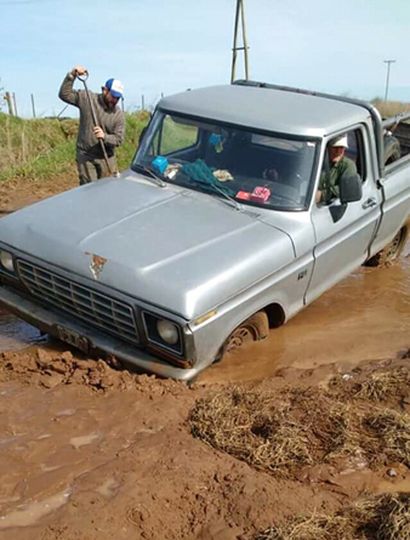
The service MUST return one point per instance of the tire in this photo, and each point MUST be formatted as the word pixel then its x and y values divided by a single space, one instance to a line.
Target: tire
pixel 255 328
pixel 389 254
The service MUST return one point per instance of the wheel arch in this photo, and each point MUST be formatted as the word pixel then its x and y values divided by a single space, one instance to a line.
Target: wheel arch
pixel 276 314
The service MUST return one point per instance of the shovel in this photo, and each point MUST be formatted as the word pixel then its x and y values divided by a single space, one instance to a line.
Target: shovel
pixel 83 79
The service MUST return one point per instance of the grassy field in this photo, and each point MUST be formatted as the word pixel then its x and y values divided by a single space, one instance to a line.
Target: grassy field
pixel 41 148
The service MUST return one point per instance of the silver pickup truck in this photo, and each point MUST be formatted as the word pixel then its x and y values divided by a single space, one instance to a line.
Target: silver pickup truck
pixel 216 233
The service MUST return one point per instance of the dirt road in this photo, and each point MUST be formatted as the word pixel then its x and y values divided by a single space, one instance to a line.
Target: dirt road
pixel 87 451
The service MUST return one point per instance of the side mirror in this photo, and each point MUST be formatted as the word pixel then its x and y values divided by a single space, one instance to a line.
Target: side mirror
pixel 351 188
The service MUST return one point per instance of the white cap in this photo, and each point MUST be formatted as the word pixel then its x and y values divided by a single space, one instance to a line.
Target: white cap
pixel 340 141
pixel 115 87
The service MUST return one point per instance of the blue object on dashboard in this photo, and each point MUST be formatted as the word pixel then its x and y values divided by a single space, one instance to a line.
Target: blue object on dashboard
pixel 215 139
pixel 160 163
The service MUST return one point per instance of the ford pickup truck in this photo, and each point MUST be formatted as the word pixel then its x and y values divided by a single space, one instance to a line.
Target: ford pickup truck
pixel 216 233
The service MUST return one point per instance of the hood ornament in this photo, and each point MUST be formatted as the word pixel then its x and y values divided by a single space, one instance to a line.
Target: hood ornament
pixel 96 265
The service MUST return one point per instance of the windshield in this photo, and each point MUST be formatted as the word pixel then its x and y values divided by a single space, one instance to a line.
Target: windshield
pixel 248 167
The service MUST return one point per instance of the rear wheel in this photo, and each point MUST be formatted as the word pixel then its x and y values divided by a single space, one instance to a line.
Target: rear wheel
pixel 391 252
pixel 253 329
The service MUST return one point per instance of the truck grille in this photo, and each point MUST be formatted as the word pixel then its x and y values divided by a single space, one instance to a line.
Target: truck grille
pixel 89 305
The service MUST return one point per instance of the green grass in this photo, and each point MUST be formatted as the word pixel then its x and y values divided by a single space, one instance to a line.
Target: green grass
pixel 42 148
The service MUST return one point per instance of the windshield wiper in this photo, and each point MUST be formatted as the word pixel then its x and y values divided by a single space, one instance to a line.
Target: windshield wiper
pixel 152 175
pixel 227 197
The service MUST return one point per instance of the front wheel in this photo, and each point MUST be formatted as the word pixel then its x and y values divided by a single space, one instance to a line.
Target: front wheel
pixel 391 252
pixel 253 329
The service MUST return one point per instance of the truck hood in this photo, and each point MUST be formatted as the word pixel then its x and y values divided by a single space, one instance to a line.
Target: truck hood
pixel 178 249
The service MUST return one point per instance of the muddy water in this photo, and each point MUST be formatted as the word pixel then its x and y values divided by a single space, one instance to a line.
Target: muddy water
pixel 15 334
pixel 366 316
pixel 64 438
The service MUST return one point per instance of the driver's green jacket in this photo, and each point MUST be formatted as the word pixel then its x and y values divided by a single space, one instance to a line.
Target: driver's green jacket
pixel 329 180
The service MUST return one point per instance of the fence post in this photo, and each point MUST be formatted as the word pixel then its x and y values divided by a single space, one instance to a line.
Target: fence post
pixel 9 101
pixel 32 105
pixel 15 104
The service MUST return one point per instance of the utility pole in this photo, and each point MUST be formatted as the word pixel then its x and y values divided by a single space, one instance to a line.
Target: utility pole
pixel 388 62
pixel 240 15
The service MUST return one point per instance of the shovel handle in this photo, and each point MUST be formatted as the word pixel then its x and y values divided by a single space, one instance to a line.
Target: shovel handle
pixel 83 78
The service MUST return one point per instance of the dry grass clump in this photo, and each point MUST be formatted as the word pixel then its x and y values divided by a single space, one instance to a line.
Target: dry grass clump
pixel 330 422
pixel 277 432
pixel 385 517
pixel 314 528
pixel 390 436
pixel 285 432
pixel 254 427
pixel 380 386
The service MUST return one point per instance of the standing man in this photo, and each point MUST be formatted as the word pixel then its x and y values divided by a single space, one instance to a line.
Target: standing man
pixel 110 126
pixel 338 165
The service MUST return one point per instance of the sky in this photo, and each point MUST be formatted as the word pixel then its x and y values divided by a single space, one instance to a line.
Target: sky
pixel 166 46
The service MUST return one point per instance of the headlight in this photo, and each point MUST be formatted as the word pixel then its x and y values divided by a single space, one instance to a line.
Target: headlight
pixel 6 260
pixel 163 333
pixel 167 331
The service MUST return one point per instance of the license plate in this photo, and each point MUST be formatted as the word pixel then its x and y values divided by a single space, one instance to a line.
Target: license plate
pixel 73 338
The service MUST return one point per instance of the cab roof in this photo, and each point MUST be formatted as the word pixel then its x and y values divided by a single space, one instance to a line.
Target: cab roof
pixel 269 109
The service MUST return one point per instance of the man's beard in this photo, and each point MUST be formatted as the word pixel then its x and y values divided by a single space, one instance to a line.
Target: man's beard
pixel 109 104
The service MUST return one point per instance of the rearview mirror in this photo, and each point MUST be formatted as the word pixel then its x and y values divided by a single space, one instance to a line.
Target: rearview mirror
pixel 350 188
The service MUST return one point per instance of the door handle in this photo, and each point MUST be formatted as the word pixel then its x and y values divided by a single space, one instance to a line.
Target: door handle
pixel 371 201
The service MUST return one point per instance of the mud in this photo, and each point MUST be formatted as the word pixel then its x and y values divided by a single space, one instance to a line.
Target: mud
pixel 90 451
pixel 117 459
pixel 366 316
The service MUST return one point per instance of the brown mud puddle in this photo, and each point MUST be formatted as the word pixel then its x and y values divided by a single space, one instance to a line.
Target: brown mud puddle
pixel 366 316
pixel 88 461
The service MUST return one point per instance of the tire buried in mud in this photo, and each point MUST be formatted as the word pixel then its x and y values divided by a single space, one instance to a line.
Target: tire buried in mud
pixel 389 254
pixel 253 329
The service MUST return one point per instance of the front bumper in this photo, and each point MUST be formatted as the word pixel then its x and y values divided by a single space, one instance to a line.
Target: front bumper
pixel 48 321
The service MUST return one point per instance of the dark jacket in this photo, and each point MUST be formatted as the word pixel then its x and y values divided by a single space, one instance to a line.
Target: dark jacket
pixel 329 180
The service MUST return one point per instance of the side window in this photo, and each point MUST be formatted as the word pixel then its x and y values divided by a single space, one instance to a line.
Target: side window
pixel 345 153
pixel 355 151
pixel 176 136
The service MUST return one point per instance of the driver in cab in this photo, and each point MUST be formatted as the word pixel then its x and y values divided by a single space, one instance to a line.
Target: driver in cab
pixel 338 165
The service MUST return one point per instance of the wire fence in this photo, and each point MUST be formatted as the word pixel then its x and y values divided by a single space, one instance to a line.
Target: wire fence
pixel 9 100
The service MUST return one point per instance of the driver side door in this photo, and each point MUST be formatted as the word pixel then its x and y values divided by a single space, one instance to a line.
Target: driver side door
pixel 342 246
